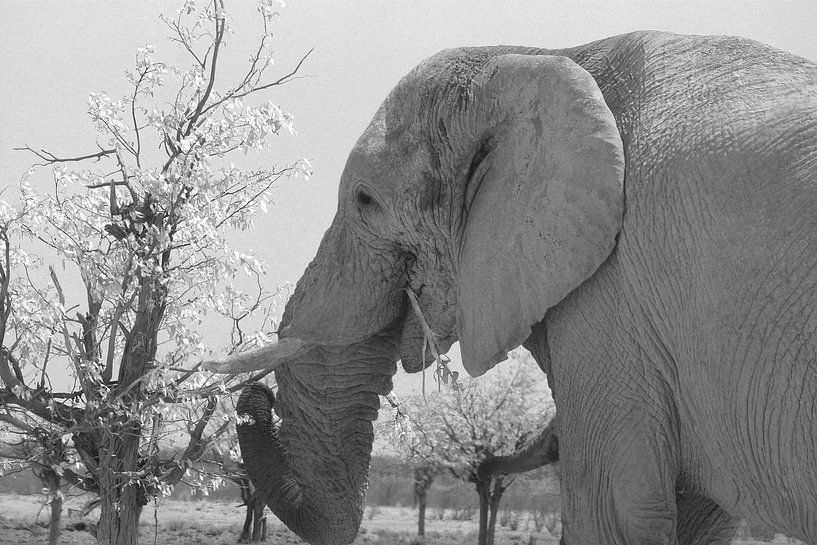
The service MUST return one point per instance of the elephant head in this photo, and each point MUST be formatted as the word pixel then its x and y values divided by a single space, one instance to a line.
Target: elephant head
pixel 490 182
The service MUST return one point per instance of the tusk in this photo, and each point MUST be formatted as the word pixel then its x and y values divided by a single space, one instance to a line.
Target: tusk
pixel 267 357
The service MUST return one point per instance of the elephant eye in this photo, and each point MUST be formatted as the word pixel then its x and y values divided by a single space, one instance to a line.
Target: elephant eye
pixel 364 200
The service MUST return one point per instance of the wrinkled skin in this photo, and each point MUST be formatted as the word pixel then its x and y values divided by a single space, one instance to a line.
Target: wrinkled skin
pixel 313 467
pixel 539 450
pixel 640 212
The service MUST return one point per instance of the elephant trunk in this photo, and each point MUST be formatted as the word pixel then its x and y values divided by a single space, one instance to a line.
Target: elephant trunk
pixel 312 470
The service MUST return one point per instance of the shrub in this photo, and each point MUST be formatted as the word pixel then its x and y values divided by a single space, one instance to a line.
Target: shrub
pixel 463 512
pixel 373 511
pixel 509 518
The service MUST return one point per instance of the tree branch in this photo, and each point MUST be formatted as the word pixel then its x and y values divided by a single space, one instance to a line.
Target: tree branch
pixel 16 422
pixel 5 281
pixel 213 63
pixel 69 347
pixel 55 411
pixel 50 158
pixel 279 81
pixel 9 379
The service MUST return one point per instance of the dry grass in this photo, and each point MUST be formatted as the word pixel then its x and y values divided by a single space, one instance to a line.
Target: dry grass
pixel 217 523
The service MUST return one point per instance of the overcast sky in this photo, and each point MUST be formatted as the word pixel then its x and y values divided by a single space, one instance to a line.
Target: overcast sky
pixel 53 53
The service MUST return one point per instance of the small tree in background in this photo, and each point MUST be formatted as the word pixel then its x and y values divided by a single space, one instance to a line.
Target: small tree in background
pixel 456 430
pixel 31 444
pixel 143 237
pixel 423 479
pixel 226 456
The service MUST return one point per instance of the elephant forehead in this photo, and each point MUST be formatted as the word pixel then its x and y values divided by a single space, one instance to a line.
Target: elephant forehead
pixel 387 166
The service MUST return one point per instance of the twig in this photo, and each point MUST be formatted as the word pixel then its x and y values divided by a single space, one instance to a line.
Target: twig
pixel 283 79
pixel 123 168
pixel 67 336
pixel 138 149
pixel 45 363
pixel 443 372
pixel 50 158
pixel 213 62
pixel 280 81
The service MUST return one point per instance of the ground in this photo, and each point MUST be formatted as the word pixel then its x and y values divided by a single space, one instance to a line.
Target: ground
pixel 219 523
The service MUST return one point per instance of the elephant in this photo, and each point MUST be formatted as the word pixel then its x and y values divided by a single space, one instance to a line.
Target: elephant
pixel 541 448
pixel 640 212
pixel 256 400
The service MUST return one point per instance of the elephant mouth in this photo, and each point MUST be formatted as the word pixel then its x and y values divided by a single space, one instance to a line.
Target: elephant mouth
pixel 415 351
pixel 421 338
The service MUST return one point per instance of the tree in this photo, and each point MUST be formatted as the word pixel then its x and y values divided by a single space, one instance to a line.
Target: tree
pixel 226 457
pixel 42 449
pixel 458 429
pixel 143 238
pixel 424 475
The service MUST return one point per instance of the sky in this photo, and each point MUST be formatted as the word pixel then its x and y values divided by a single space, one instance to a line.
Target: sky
pixel 53 53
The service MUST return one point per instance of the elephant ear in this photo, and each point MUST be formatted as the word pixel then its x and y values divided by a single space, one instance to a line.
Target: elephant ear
pixel 544 200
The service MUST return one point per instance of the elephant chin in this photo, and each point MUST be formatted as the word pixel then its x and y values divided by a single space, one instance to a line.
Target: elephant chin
pixel 412 344
pixel 312 469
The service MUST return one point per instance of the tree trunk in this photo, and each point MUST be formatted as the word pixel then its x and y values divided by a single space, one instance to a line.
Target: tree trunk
pixel 121 501
pixel 259 525
pixel 259 531
pixel 247 528
pixel 53 482
pixel 423 477
pixel 117 443
pixel 119 518
pixel 421 515
pixel 483 490
pixel 489 540
pixel 496 497
pixel 255 523
pixel 55 527
pixel 246 496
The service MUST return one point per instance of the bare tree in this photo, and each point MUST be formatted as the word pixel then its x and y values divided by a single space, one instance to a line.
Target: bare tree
pixel 458 430
pixel 41 449
pixel 146 242
pixel 423 479
pixel 227 457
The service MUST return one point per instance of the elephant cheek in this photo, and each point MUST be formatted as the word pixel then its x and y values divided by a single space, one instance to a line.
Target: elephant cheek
pixel 411 346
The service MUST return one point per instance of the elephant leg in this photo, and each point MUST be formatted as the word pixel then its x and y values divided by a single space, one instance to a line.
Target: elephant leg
pixel 245 531
pixel 618 483
pixel 259 526
pixel 701 521
pixel 246 497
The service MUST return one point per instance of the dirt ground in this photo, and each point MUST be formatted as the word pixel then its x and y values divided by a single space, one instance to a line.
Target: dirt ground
pixel 216 523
